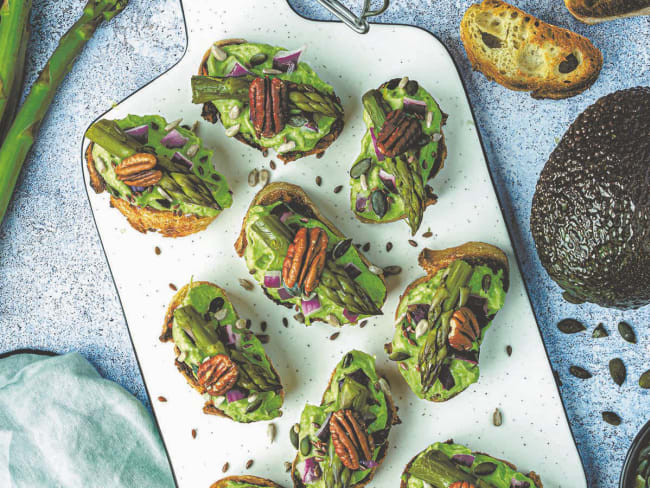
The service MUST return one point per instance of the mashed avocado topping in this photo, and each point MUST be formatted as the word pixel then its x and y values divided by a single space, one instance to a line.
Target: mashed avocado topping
pixel 269 230
pixel 256 395
pixel 444 463
pixel 483 293
pixel 427 156
pixel 355 386
pixel 305 138
pixel 240 484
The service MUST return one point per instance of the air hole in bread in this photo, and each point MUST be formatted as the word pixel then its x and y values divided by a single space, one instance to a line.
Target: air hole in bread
pixel 513 15
pixel 493 42
pixel 569 64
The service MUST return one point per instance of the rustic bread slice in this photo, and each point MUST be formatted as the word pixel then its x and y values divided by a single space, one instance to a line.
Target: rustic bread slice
pixel 251 480
pixel 594 11
pixel 523 53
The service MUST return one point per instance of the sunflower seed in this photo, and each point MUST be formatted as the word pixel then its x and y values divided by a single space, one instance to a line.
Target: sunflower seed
pixel 403 82
pixel 195 126
pixel 644 380
pixel 366 247
pixel 364 182
pixel 299 317
pixel 338 188
pixel 375 270
pixel 363 324
pixel 509 350
pixel 360 168
pixel 216 401
pixel 221 314
pixel 599 332
pixel 286 147
pixel 617 371
pixel 234 112
pixel 172 125
pixel 218 53
pixel 392 270
pixel 193 433
pixel 413 243
pixel 627 332
pixel 162 399
pixel 271 71
pixel 258 58
pixel 272 164
pixel 334 336
pixel 389 246
pixel 570 326
pixel 287 466
pixel 485 469
pixel 497 417
pixel 285 322
pixel 165 194
pixel 319 180
pixel 192 150
pixel 429 118
pixel 611 418
pixel 225 467
pixel 249 464
pixel 265 176
pixel 422 328
pixel 245 284
pixel 579 372
pixel 253 177
pixel 240 324
pixel 232 130
pixel 428 234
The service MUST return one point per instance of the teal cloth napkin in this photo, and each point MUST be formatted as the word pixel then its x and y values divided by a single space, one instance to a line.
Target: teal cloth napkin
pixel 63 425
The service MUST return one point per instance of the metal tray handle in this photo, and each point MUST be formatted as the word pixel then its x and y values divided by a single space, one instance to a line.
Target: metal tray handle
pixel 358 24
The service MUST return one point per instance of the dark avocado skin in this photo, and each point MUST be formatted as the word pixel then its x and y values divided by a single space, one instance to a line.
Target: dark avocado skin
pixel 590 215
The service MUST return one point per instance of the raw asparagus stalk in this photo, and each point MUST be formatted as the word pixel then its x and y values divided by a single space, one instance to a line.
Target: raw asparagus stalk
pixel 24 129
pixel 252 376
pixel 205 338
pixel 375 105
pixel 439 471
pixel 14 34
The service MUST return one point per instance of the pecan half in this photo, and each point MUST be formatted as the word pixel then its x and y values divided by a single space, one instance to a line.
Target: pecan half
pixel 399 132
pixel 218 374
pixel 464 329
pixel 305 259
pixel 268 99
pixel 351 443
pixel 137 170
pixel 462 484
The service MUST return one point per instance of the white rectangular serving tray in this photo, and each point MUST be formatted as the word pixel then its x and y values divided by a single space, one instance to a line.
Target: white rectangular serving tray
pixel 535 434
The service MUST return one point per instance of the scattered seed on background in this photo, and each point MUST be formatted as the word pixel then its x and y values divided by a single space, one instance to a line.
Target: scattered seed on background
pixel 263 338
pixel 225 467
pixel 497 417
pixel 287 466
pixel 334 336
pixel 193 433
pixel 253 177
pixel 263 326
pixel 162 399
pixel 338 188
pixel 579 372
pixel 363 324
pixel 270 432
pixel 599 332
pixel 319 180
pixel 249 463
pixel 265 176
pixel 285 322
pixel 570 326
pixel 272 164
pixel 389 246
pixel 611 418
pixel 427 234
pixel 173 286
pixel 617 371
pixel 627 332
pixel 509 350
pixel 392 270
pixel 644 380
pixel 245 284
pixel 556 375
pixel 413 243
pixel 157 250
pixel 366 247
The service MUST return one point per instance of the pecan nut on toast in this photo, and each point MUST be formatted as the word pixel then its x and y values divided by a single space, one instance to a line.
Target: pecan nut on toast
pixel 301 260
pixel 594 11
pixel 220 357
pixel 342 442
pixel 456 466
pixel 267 98
pixel 159 176
pixel 244 481
pixel 442 318
pixel 403 148
pixel 523 53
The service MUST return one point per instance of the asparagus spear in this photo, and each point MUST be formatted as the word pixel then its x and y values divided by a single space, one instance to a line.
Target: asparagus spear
pixel 197 327
pixel 22 134
pixel 14 34
pixel 438 470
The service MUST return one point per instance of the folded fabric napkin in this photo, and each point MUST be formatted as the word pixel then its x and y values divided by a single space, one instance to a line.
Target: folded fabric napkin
pixel 63 425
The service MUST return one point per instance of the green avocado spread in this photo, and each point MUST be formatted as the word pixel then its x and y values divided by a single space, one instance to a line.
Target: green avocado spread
pixel 427 156
pixel 267 249
pixel 437 467
pixel 205 325
pixel 355 386
pixel 154 197
pixel 305 138
pixel 482 291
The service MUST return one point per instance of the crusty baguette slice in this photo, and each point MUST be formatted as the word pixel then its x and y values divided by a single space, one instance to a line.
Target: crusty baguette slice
pixel 210 114
pixel 595 11
pixel 523 53
pixel 184 369
pixel 251 480
pixel 148 219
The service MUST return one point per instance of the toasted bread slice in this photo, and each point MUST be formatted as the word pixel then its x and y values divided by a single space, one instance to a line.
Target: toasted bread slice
pixel 393 419
pixel 210 114
pixel 251 480
pixel 593 12
pixel 523 53
pixel 185 370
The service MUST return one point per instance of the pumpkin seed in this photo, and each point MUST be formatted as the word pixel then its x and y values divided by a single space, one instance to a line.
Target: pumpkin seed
pixel 412 87
pixel 379 202
pixel 392 270
pixel 599 332
pixel 497 417
pixel 265 176
pixel 399 356
pixel 484 469
pixel 192 150
pixel 253 177
pixel 486 282
pixel 216 304
pixel 254 405
pixel 347 360
pixel 297 120
pixel 293 435
pixel 617 371
pixel 570 326
pixel 579 372
pixel 360 168
pixel 257 59
pixel 221 314
pixel 340 248
pixel 611 418
pixel 305 446
pixel 644 380
pixel 627 332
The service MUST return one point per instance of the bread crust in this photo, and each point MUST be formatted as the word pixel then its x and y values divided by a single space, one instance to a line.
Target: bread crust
pixel 532 475
pixel 145 219
pixel 553 85
pixel 603 10
pixel 209 111
pixel 184 369
pixel 393 419
pixel 252 480
pixel 296 196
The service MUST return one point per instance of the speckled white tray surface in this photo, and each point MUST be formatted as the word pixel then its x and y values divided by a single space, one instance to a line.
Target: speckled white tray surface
pixel 535 433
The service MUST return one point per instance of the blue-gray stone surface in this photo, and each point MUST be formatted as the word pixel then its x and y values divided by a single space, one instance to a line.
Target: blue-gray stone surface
pixel 56 291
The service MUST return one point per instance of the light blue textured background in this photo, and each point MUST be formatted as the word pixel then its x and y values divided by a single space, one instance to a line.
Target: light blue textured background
pixel 56 292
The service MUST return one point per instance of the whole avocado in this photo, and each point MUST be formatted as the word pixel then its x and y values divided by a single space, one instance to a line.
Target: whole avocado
pixel 590 215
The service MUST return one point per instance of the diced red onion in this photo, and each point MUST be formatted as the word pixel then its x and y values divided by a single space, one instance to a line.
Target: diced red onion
pixel 180 158
pixel 369 464
pixel 361 203
pixel 237 71
pixel 310 306
pixel 232 337
pixel 284 294
pixel 464 459
pixel 173 139
pixel 140 133
pixel 138 188
pixel 311 126
pixel 234 395
pixel 415 106
pixel 287 61
pixel 352 270
pixel 380 155
pixel 388 180
pixel 273 279
pixel 311 472
pixel 285 216
pixel 417 312
pixel 352 317
pixel 515 483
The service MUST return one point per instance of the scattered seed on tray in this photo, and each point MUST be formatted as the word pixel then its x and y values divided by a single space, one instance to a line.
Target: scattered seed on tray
pixel 225 467
pixel 173 286
pixel 265 152
pixel 617 371
pixel 556 375
pixel 570 326
pixel 162 399
pixel 366 247
pixel 287 466
pixel 599 332
pixel 509 350
pixel 338 188
pixel 249 463
pixel 263 326
pixel 392 270
pixel 285 322
pixel 427 234
pixel 611 418
pixel 245 284
pixel 579 372
pixel 363 324
pixel 319 180
pixel 263 338
pixel 334 336
pixel 413 243
pixel 157 250
pixel 270 432
pixel 497 417
pixel 389 246
pixel 193 433
pixel 644 380
pixel 627 332
pixel 272 164
pixel 320 154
